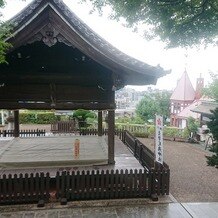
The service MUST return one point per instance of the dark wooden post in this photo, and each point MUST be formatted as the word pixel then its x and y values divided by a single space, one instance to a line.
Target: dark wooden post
pixel 99 123
pixel 16 123
pixel 111 131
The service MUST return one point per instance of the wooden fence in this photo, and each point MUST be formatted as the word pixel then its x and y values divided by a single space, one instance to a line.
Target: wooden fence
pixel 118 132
pixel 103 184
pixel 23 133
pixel 26 188
pixel 64 127
pixel 77 185
pixel 145 156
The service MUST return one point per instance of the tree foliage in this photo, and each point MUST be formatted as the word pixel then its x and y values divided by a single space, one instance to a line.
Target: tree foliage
pixel 177 22
pixel 130 120
pixel 213 126
pixel 212 90
pixel 4 31
pixel 82 114
pixel 192 125
pixel 154 103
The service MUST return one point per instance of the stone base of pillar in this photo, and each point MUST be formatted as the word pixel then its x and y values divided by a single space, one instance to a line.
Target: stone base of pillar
pixel 111 162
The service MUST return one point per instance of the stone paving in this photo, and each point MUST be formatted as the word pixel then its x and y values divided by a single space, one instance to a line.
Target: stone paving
pixel 198 210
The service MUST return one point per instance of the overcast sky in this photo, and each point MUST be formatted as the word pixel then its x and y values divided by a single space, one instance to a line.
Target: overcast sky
pixel 198 61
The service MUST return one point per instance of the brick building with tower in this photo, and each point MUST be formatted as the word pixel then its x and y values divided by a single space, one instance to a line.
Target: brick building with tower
pixel 184 99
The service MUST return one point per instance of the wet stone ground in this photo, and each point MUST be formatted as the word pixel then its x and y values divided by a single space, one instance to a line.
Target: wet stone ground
pixel 151 210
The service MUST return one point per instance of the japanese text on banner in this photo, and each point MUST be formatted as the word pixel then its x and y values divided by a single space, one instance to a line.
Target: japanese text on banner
pixel 159 139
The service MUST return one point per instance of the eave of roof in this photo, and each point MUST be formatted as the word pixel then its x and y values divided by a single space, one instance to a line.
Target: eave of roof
pixel 205 108
pixel 127 63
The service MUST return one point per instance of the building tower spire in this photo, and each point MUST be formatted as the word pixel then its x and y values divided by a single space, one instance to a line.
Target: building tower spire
pixel 199 87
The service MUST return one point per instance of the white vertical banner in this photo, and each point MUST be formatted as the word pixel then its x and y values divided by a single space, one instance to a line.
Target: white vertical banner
pixel 159 139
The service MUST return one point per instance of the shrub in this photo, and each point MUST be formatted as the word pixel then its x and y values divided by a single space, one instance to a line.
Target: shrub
pixel 46 118
pixel 186 133
pixel 37 118
pixel 170 131
pixel 27 118
pixel 82 116
pixel 130 120
pixel 141 134
pixel 151 129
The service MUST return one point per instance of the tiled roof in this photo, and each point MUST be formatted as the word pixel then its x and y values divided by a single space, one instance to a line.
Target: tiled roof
pixel 101 46
pixel 184 90
pixel 205 107
pixel 187 112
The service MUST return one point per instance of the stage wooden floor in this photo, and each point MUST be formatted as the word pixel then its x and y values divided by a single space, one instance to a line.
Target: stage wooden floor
pixel 52 154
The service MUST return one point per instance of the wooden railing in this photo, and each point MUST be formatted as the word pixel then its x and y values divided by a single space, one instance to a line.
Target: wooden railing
pixel 23 133
pixel 145 156
pixel 103 184
pixel 24 188
pixel 64 127
pixel 77 185
pixel 118 132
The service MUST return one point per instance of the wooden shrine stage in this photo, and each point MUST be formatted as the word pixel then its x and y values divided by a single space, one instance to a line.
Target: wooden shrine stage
pixel 53 151
pixel 52 154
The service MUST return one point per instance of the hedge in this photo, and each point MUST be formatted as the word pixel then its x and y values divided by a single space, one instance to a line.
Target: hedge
pixel 38 118
pixel 141 134
pixel 167 131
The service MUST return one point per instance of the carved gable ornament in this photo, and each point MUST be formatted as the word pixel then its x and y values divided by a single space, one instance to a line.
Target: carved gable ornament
pixel 50 36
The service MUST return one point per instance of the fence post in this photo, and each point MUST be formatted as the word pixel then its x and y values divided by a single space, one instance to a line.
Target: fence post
pixel 140 153
pixel 154 182
pixel 168 182
pixel 4 133
pixel 124 137
pixel 135 146
pixel 37 132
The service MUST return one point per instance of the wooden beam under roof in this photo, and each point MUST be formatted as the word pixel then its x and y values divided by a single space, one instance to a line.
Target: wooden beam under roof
pixel 61 92
pixel 58 106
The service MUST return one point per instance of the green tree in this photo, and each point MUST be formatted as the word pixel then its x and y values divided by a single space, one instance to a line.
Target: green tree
pixel 192 126
pixel 212 89
pixel 177 22
pixel 82 115
pixel 213 126
pixel 4 31
pixel 154 103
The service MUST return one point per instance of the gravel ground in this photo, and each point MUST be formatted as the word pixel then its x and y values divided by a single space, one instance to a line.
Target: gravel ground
pixel 191 179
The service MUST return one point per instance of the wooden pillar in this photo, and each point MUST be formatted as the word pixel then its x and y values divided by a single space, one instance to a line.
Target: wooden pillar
pixel 16 123
pixel 2 116
pixel 99 123
pixel 111 131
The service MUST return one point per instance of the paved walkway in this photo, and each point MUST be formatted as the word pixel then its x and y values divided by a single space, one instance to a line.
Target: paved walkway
pixel 174 210
pixel 191 180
